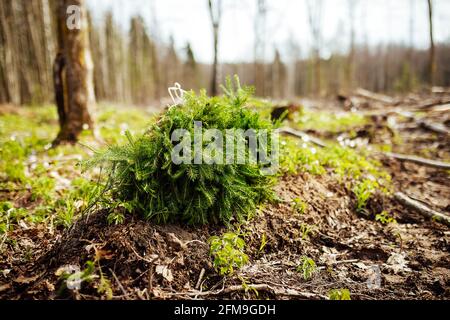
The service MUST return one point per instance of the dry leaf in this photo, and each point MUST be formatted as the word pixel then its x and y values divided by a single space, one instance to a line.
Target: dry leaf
pixel 25 280
pixel 5 287
pixel 165 272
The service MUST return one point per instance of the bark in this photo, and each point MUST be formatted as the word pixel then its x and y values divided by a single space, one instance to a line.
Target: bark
pixel 73 79
pixel 9 58
pixel 58 79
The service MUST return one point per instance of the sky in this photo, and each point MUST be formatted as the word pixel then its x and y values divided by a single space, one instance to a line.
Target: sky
pixel 377 22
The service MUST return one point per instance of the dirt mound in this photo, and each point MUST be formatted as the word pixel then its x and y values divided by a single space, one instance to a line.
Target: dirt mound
pixel 133 255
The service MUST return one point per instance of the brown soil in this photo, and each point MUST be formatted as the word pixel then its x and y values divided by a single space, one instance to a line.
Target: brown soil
pixel 412 256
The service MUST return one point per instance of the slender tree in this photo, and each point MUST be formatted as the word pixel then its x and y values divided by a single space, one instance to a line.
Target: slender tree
pixel 190 69
pixel 215 12
pixel 260 47
pixel 73 71
pixel 315 23
pixel 352 6
pixel 432 62
pixel 173 64
pixel 278 80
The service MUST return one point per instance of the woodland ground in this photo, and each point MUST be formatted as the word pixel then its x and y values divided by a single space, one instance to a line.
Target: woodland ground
pixel 321 235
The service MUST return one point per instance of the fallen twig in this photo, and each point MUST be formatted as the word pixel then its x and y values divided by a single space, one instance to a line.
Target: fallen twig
pixel 432 104
pixel 258 287
pixel 302 135
pixel 426 124
pixel 200 278
pixel 374 96
pixel 421 208
pixel 345 261
pixel 435 127
pixel 418 160
pixel 119 284
pixel 440 90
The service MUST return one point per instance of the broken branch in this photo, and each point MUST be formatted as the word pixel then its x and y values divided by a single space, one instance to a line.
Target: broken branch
pixel 302 135
pixel 374 96
pixel 257 287
pixel 435 127
pixel 421 208
pixel 418 160
pixel 432 104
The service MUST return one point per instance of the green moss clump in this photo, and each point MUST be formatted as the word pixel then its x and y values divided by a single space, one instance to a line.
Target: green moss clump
pixel 142 172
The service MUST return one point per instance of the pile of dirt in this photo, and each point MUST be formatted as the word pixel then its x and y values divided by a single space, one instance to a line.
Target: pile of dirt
pixel 136 255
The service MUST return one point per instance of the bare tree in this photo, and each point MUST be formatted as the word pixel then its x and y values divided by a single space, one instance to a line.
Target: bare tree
pixel 215 11
pixel 352 6
pixel 190 69
pixel 73 73
pixel 412 8
pixel 432 61
pixel 260 47
pixel 141 46
pixel 315 23
pixel 278 80
pixel 172 65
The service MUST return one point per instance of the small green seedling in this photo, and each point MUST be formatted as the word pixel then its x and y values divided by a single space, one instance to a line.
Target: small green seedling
pixel 363 192
pixel 247 287
pixel 299 206
pixel 306 230
pixel 119 208
pixel 74 280
pixel 65 215
pixel 115 218
pixel 307 267
pixel 339 294
pixel 385 218
pixel 263 243
pixel 227 252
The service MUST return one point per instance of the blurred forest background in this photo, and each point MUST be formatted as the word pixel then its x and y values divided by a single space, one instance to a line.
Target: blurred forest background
pixel 134 64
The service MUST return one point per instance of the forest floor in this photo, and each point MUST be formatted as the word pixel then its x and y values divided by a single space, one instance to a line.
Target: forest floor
pixel 321 238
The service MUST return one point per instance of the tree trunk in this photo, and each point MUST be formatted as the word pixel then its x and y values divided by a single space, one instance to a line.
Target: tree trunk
pixel 317 73
pixel 351 54
pixel 315 23
pixel 215 12
pixel 73 76
pixel 215 63
pixel 432 46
